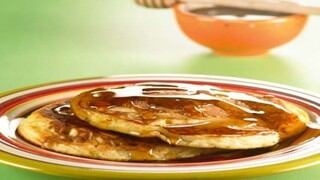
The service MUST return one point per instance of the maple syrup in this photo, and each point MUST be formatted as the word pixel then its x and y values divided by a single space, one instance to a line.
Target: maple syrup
pixel 188 109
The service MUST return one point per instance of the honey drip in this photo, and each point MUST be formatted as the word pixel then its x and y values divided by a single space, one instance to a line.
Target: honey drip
pixel 189 109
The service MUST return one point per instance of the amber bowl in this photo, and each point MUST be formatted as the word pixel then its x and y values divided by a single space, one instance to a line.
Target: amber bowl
pixel 239 37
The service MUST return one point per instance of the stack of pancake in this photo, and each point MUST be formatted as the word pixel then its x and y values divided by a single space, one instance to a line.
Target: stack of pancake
pixel 161 121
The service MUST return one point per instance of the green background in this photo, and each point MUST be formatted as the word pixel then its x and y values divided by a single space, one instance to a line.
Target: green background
pixel 43 41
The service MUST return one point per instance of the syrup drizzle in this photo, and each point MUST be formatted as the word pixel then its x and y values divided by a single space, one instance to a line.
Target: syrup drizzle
pixel 185 91
pixel 189 109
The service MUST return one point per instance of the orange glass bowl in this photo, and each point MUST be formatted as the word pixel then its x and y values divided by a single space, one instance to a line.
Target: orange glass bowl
pixel 237 36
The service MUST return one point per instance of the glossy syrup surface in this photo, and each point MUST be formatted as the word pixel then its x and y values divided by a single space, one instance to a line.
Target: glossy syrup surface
pixel 190 109
pixel 229 13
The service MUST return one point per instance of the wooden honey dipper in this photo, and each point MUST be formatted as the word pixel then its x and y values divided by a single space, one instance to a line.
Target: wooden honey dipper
pixel 263 5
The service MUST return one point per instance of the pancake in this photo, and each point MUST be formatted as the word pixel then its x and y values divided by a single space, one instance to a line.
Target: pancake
pixel 54 127
pixel 191 115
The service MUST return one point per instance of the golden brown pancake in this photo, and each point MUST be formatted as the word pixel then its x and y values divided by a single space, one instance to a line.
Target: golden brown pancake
pixel 191 115
pixel 54 127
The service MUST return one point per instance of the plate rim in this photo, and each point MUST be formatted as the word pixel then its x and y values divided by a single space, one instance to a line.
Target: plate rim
pixel 68 171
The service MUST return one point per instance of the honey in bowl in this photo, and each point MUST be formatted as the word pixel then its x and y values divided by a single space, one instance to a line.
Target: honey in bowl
pixel 227 13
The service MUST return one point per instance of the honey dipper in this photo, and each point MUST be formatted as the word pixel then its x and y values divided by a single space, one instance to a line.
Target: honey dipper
pixel 264 5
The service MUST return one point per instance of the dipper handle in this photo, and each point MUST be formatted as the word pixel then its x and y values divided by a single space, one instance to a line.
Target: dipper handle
pixel 263 5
